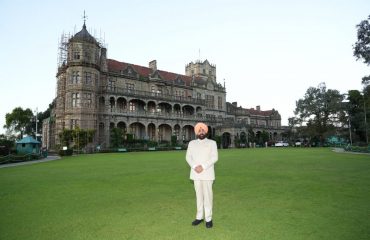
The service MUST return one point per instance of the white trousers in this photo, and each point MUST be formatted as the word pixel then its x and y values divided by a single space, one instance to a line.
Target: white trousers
pixel 204 194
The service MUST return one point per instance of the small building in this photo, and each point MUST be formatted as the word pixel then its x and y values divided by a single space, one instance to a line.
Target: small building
pixel 28 145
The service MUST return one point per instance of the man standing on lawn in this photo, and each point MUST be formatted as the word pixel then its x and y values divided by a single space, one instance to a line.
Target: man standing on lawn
pixel 201 157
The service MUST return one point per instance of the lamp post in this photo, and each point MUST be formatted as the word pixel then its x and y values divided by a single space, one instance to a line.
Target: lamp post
pixel 363 98
pixel 349 126
pixel 36 125
pixel 349 121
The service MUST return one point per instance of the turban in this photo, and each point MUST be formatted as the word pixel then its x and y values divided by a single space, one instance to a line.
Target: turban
pixel 199 126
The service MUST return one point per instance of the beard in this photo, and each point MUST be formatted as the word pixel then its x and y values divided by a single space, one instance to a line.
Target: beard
pixel 201 136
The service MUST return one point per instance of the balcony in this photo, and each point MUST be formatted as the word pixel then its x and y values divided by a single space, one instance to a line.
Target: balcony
pixel 147 114
pixel 151 95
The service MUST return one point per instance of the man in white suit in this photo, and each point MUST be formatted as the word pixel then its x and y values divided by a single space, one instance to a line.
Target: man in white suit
pixel 201 156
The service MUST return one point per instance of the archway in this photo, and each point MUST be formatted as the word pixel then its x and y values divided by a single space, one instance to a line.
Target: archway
pixel 122 125
pixel 188 133
pixel 188 110
pixel 226 140
pixel 121 104
pixel 176 131
pixel 151 107
pixel 177 110
pixel 136 105
pixel 137 129
pixel 164 132
pixel 151 132
pixel 243 139
pixel 112 103
pixel 164 108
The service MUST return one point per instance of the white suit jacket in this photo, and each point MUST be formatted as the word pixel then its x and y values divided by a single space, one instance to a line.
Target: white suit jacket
pixel 202 152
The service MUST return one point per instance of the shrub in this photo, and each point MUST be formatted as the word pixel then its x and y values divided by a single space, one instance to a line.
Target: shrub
pixel 67 152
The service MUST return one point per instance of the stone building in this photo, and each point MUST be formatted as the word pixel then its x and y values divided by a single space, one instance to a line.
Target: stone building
pixel 94 92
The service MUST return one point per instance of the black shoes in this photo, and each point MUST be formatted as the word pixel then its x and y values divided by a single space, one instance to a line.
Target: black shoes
pixel 209 224
pixel 197 222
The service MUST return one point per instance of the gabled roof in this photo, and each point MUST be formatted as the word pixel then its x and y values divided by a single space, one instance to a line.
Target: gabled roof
pixel 28 139
pixel 116 66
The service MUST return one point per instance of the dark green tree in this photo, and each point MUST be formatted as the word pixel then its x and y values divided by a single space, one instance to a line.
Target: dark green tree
pixel 18 121
pixel 116 137
pixel 320 109
pixel 361 49
pixel 356 108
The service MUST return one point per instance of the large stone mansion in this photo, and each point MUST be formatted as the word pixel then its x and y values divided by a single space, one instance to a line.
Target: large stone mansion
pixel 94 92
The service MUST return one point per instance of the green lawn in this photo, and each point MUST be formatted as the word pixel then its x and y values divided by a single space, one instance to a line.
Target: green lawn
pixel 283 193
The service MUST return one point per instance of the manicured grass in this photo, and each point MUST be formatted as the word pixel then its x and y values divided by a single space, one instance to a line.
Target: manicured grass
pixel 258 194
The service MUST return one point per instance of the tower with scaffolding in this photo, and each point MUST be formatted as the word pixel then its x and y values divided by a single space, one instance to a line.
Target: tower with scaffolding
pixel 80 62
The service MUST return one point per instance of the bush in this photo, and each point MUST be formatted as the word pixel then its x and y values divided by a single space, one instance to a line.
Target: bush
pixel 67 152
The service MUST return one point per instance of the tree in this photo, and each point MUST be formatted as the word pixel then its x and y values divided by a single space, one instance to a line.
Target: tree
pixel 116 137
pixel 361 49
pixel 356 112
pixel 66 137
pixel 81 137
pixel 41 116
pixel 18 121
pixel 320 110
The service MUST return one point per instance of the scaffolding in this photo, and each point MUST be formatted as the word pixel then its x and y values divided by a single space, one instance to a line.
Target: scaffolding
pixel 63 49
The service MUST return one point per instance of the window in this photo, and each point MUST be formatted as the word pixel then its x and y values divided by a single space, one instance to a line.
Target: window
pixel 159 91
pixel 132 107
pixel 76 54
pixel 88 55
pixel 199 96
pixel 130 87
pixel 219 102
pixel 88 100
pixel 88 78
pixel 204 71
pixel 75 99
pixel 75 78
pixel 74 123
pixel 111 85
pixel 210 102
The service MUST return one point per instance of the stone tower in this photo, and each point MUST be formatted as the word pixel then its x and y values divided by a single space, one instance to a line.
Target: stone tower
pixel 204 70
pixel 77 83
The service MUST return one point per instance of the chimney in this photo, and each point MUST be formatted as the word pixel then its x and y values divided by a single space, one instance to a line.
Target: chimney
pixel 153 65
pixel 258 108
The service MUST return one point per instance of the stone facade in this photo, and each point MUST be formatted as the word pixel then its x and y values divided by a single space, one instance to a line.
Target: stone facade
pixel 94 92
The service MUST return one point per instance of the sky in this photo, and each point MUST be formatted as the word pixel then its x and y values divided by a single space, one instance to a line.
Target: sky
pixel 267 52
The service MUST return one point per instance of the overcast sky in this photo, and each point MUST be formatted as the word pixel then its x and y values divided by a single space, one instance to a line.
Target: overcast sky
pixel 268 52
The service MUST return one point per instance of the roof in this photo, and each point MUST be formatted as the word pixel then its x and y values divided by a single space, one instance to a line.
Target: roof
pixel 116 66
pixel 83 36
pixel 28 139
pixel 260 112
